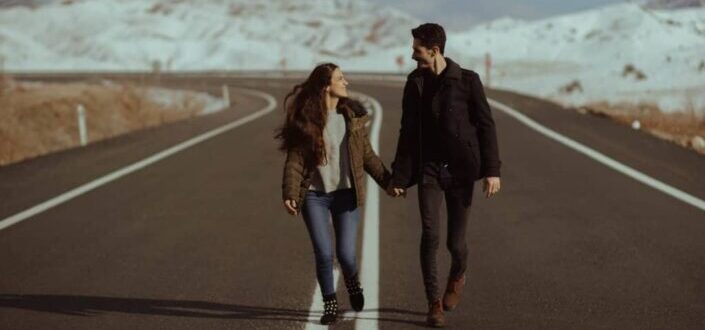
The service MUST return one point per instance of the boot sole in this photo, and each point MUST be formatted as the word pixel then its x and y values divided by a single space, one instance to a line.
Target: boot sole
pixel 436 325
pixel 448 308
pixel 329 323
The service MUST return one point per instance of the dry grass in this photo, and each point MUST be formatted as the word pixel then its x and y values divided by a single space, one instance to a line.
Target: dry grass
pixel 374 35
pixel 37 119
pixel 682 128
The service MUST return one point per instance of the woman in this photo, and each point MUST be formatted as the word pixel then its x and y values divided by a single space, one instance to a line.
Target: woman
pixel 328 152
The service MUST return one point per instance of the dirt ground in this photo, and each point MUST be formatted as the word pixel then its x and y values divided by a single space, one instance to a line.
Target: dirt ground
pixel 683 128
pixel 39 118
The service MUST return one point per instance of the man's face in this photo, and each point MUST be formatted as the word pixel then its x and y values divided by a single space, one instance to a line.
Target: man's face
pixel 422 55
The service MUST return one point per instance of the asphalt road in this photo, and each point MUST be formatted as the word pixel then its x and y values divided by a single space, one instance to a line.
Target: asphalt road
pixel 199 240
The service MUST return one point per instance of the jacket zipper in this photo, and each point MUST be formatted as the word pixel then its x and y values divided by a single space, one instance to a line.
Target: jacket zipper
pixel 350 159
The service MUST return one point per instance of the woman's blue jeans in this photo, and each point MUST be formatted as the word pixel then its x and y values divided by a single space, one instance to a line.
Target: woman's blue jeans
pixel 319 207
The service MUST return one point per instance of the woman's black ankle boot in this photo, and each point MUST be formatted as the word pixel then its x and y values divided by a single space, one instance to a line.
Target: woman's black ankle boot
pixel 330 309
pixel 357 300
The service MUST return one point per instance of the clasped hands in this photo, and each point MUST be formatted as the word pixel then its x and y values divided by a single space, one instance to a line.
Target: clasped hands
pixel 490 187
pixel 395 192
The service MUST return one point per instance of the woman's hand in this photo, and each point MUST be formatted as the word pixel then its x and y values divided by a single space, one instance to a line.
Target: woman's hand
pixel 290 206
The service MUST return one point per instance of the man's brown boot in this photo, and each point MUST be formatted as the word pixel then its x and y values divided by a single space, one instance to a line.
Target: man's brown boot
pixel 454 290
pixel 435 316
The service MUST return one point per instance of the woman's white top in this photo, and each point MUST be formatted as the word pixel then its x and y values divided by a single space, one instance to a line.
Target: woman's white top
pixel 335 173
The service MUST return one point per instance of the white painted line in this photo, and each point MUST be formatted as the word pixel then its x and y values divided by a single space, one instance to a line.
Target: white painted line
pixel 369 268
pixel 73 193
pixel 601 158
pixel 369 275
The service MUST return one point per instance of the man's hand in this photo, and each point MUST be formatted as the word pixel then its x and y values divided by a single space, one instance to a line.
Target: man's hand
pixel 395 192
pixel 490 186
pixel 290 206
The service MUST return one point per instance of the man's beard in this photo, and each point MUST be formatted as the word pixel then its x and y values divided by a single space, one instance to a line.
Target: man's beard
pixel 420 63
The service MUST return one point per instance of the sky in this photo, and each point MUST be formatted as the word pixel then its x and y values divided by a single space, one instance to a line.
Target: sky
pixel 462 14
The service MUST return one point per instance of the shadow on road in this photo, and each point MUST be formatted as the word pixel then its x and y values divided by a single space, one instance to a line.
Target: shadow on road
pixel 92 306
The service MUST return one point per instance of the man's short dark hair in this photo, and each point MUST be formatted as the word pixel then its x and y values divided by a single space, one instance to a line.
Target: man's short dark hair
pixel 429 35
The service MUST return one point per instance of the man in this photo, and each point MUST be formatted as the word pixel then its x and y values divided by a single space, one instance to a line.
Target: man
pixel 447 141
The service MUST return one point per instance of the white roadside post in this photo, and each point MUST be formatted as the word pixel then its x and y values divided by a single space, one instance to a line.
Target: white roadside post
pixel 226 95
pixel 488 69
pixel 3 79
pixel 82 131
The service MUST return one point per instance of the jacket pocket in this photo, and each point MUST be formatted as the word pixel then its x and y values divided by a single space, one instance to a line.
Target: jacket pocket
pixel 474 150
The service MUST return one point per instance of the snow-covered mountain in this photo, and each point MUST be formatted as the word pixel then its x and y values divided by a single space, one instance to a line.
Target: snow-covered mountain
pixel 674 4
pixel 621 53
pixel 196 34
pixel 25 3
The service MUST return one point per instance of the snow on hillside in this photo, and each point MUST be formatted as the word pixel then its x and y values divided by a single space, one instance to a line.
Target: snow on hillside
pixel 670 4
pixel 621 53
pixel 196 34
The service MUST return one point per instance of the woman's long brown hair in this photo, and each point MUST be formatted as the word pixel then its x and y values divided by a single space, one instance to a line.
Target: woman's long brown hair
pixel 306 116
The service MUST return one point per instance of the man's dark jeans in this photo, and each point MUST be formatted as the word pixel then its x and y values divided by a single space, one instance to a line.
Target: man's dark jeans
pixel 434 186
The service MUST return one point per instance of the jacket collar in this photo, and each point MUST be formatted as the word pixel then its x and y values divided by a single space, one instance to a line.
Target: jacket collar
pixel 354 113
pixel 452 72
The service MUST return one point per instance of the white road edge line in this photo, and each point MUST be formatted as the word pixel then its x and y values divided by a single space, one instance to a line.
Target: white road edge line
pixel 73 193
pixel 369 275
pixel 601 158
pixel 369 268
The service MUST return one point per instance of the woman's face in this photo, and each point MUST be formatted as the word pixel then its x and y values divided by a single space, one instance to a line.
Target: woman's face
pixel 338 85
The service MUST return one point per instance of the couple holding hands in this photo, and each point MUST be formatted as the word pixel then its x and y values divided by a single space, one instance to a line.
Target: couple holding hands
pixel 447 141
